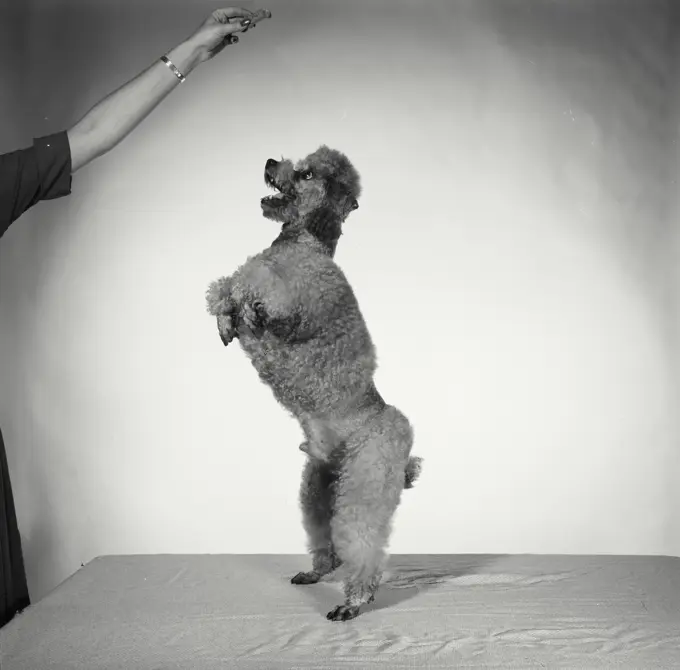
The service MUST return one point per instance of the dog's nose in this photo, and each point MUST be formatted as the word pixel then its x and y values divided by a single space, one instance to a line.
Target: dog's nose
pixel 271 163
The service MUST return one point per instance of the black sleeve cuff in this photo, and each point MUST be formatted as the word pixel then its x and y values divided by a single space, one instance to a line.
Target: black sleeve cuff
pixel 53 154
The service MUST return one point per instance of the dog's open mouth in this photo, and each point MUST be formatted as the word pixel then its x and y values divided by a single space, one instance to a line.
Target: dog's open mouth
pixel 280 198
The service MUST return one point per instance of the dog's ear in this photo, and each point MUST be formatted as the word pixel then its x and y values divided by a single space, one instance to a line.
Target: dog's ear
pixel 334 189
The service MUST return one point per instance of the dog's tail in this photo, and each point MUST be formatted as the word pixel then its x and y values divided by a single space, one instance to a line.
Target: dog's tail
pixel 412 472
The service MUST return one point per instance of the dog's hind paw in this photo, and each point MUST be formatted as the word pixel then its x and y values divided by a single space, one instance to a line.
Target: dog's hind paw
pixel 306 578
pixel 343 613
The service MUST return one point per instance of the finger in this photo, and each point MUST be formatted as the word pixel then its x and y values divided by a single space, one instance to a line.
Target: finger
pixel 227 41
pixel 260 15
pixel 243 24
pixel 226 13
pixel 239 26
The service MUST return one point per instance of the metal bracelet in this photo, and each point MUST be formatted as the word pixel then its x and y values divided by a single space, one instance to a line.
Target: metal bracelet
pixel 171 65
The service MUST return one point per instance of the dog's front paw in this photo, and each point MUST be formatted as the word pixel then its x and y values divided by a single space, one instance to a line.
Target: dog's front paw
pixel 226 329
pixel 254 317
pixel 343 613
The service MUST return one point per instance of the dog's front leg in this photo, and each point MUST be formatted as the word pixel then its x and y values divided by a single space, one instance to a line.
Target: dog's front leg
pixel 253 316
pixel 261 301
pixel 256 318
pixel 221 304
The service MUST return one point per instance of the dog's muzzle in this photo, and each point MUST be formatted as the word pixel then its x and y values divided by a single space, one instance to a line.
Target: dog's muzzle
pixel 285 191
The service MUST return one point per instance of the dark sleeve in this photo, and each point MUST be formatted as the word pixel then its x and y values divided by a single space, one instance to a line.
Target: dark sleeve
pixel 13 590
pixel 40 172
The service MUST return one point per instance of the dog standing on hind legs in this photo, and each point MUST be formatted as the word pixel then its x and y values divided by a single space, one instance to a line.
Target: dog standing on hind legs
pixel 298 320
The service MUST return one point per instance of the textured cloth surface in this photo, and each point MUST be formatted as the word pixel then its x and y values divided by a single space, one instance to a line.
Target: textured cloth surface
pixel 234 611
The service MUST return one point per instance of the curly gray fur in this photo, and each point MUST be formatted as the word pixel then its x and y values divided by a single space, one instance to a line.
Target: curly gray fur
pixel 298 320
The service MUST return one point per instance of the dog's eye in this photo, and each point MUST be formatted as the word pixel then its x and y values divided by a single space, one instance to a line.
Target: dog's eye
pixel 307 175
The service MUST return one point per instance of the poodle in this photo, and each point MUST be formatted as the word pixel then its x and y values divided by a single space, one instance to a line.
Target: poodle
pixel 298 320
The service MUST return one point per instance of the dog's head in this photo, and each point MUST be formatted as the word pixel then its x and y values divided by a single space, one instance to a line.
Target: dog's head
pixel 325 180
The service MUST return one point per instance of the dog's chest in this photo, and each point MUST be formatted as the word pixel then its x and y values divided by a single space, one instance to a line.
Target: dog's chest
pixel 300 262
pixel 280 367
pixel 330 342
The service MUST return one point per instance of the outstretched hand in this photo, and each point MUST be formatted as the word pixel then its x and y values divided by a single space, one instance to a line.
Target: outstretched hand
pixel 217 31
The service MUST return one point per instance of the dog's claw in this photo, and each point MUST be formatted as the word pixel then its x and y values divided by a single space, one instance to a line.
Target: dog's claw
pixel 343 613
pixel 306 578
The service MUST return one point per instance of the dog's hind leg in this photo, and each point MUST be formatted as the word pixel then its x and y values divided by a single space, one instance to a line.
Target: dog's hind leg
pixel 316 501
pixel 368 493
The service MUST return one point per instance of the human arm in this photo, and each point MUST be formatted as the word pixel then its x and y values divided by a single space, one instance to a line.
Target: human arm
pixel 119 113
pixel 43 171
